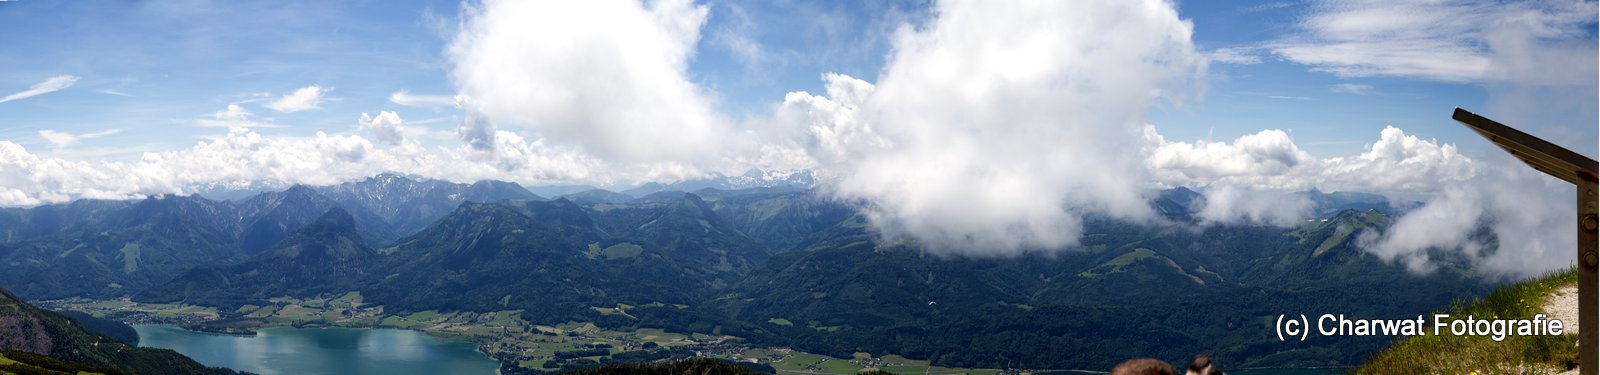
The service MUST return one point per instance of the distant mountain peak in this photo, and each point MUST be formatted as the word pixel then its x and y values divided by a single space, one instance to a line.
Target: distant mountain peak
pixel 689 207
pixel 336 217
pixel 565 204
pixel 332 225
pixel 393 177
pixel 300 193
pixel 692 197
pixel 495 190
pixel 592 196
pixel 773 178
pixel 692 204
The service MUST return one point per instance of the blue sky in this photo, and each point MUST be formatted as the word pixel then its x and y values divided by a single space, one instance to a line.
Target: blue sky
pixel 178 61
pixel 158 76
pixel 185 60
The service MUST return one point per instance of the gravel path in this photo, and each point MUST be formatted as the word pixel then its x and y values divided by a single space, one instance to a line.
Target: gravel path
pixel 1563 305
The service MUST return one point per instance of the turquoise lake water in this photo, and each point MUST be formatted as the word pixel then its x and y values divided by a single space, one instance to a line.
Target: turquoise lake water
pixel 323 351
pixel 370 351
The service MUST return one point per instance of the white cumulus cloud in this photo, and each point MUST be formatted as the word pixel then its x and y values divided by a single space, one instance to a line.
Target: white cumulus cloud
pixel 1396 162
pixel 608 77
pixel 1264 154
pixel 993 128
pixel 1258 178
pixel 828 127
pixel 386 127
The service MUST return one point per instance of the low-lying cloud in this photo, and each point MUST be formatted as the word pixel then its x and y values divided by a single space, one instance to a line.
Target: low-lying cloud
pixel 243 158
pixel 1527 216
pixel 1231 204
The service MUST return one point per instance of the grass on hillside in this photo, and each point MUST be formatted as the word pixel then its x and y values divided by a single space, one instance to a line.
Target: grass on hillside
pixel 1449 354
pixel 25 363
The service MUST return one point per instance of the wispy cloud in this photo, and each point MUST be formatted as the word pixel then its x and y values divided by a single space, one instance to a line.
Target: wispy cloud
pixel 63 139
pixel 406 98
pixel 234 116
pixel 114 92
pixel 748 50
pixel 50 85
pixel 1353 88
pixel 1287 97
pixel 1457 41
pixel 1235 55
pixel 306 98
pixel 1268 6
pixel 735 37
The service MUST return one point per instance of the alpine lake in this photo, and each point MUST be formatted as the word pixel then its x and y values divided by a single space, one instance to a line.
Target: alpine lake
pixel 286 350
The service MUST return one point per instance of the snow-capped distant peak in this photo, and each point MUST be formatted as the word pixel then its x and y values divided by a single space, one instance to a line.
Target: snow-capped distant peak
pixel 773 178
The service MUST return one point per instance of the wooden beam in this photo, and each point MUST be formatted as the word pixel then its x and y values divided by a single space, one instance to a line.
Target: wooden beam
pixel 1538 153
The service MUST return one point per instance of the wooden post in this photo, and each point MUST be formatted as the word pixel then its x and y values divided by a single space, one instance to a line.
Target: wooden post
pixel 1588 282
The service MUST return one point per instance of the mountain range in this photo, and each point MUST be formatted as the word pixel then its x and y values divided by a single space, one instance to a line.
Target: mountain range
pixel 780 265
